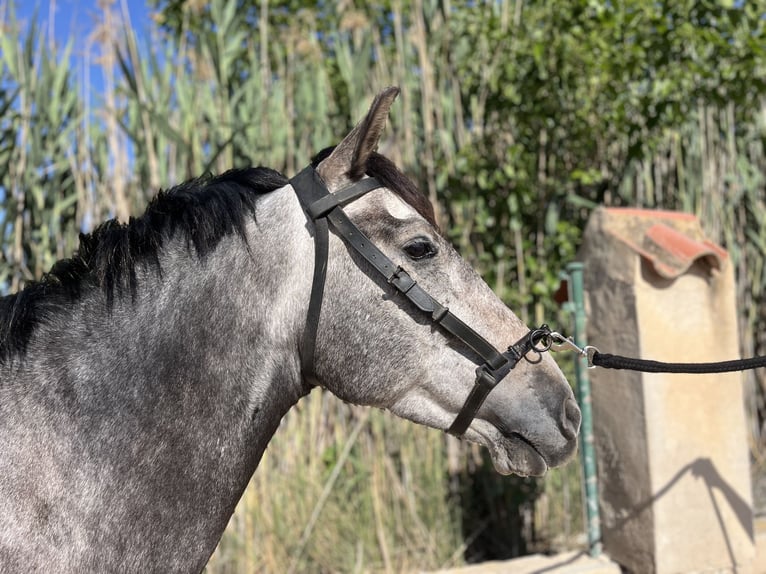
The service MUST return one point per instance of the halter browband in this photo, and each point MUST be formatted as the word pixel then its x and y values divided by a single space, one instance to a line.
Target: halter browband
pixel 323 207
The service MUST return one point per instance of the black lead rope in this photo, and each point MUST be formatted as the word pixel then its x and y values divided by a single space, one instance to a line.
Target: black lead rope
pixel 607 361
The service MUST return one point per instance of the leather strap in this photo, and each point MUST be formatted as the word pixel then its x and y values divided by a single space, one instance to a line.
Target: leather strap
pixel 487 378
pixel 308 187
pixel 406 285
pixel 340 198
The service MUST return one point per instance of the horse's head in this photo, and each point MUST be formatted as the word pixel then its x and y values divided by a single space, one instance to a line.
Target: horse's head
pixel 373 347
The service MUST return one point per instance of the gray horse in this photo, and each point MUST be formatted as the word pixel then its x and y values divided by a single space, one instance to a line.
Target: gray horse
pixel 141 380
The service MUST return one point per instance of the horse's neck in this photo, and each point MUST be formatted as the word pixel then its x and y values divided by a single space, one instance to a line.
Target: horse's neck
pixel 161 408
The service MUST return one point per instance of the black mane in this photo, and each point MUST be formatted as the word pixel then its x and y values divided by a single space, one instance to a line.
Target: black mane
pixel 204 210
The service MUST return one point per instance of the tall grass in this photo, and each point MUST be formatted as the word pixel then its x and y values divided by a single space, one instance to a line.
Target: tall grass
pixel 344 489
pixel 341 488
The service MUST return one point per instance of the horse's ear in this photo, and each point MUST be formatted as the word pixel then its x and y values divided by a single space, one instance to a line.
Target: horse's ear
pixel 348 160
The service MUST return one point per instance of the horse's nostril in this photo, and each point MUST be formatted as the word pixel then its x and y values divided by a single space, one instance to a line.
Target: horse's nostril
pixel 570 425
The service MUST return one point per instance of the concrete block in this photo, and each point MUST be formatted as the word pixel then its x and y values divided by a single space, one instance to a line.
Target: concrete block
pixel 672 451
pixel 564 563
pixel 760 545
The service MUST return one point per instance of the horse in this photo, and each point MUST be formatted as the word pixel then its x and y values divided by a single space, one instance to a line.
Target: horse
pixel 141 379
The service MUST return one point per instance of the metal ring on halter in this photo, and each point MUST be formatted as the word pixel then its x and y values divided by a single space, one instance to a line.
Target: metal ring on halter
pixel 541 339
pixel 539 342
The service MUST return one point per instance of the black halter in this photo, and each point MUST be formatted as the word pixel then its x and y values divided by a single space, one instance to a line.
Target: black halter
pixel 322 207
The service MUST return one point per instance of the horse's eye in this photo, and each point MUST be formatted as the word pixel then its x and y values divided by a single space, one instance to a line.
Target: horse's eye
pixel 420 248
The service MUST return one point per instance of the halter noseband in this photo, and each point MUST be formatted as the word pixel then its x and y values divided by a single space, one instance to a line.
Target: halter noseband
pixel 323 208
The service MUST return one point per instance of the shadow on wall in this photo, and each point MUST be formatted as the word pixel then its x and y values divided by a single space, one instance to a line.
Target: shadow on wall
pixel 702 469
pixel 498 512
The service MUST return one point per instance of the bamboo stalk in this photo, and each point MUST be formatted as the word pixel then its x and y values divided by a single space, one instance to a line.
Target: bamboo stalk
pixel 148 141
pixel 426 104
pixel 17 168
pixel 108 61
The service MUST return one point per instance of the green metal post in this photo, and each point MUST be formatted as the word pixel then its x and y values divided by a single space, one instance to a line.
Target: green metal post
pixel 587 450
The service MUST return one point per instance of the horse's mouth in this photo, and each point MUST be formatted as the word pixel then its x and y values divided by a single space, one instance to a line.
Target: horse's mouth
pixel 516 454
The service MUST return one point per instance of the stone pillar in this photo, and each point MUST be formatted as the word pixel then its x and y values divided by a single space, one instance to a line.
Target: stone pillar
pixel 673 461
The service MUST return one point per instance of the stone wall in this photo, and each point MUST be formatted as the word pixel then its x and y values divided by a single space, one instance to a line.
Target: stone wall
pixel 672 450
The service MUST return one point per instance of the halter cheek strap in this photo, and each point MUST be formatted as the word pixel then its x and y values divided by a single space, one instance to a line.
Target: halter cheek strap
pixel 323 209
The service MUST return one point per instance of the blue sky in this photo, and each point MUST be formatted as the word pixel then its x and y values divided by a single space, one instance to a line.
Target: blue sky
pixel 76 16
pixel 76 19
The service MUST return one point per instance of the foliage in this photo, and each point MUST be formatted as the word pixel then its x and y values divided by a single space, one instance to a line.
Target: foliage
pixel 39 115
pixel 516 118
pixel 584 91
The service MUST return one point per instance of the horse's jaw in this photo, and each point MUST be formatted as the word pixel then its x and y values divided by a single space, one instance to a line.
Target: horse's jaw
pixel 511 454
pixel 525 434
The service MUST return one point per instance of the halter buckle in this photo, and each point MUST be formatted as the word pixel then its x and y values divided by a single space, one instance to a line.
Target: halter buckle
pixel 485 378
pixel 402 280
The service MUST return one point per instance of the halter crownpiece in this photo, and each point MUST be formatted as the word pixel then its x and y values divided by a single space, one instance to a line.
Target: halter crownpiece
pixel 324 208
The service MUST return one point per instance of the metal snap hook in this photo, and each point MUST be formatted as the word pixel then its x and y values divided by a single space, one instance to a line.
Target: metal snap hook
pixel 562 343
